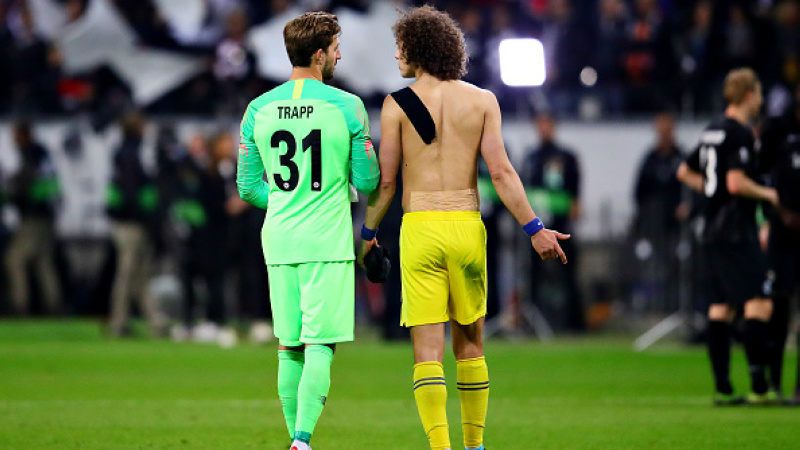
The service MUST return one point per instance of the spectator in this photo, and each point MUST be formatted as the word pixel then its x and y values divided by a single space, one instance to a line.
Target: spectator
pixel 739 48
pixel 787 18
pixel 472 25
pixel 566 53
pixel 648 59
pixel 201 208
pixel 697 64
pixel 501 28
pixel 34 191
pixel 132 203
pixel 6 56
pixel 658 192
pixel 244 250
pixel 610 39
pixel 36 66
pixel 234 65
pixel 660 211
pixel 552 173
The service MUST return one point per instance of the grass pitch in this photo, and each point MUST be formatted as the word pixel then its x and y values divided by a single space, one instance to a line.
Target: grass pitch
pixel 63 386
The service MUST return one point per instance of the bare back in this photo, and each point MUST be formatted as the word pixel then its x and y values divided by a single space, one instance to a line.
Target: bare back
pixel 443 175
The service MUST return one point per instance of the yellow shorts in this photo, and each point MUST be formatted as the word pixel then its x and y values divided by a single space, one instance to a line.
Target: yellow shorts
pixel 443 267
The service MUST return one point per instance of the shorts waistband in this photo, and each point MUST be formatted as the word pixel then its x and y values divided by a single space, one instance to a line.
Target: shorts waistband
pixel 441 216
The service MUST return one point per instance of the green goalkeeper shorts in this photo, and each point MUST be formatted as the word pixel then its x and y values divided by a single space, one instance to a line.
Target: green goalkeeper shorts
pixel 312 303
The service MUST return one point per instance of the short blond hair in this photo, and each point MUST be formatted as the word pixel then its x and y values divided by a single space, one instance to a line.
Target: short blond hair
pixel 738 83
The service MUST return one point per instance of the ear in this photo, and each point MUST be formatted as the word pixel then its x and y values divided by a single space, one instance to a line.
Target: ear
pixel 318 55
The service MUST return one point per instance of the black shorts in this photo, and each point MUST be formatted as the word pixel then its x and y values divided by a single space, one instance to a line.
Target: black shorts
pixel 784 260
pixel 736 272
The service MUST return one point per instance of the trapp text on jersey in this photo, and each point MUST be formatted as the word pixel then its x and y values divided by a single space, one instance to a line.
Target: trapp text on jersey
pixel 295 112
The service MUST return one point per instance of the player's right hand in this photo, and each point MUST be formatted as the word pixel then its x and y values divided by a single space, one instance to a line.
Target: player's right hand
pixel 545 242
pixel 366 246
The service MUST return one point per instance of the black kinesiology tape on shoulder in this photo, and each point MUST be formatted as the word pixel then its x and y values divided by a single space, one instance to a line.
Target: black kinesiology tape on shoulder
pixel 417 113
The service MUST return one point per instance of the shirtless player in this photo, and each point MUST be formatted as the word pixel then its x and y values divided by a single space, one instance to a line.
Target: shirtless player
pixel 437 128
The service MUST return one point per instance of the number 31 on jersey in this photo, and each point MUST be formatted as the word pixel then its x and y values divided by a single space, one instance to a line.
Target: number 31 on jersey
pixel 313 141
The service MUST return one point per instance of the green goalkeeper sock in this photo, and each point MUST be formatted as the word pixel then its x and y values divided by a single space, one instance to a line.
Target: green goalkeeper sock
pixel 290 369
pixel 313 390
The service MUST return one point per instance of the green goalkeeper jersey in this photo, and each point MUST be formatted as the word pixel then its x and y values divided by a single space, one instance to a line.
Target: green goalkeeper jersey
pixel 312 140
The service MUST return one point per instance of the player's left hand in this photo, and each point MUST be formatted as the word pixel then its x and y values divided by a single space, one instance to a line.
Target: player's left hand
pixel 366 246
pixel 545 243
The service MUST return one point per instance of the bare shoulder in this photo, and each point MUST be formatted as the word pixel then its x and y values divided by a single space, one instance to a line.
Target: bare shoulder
pixel 390 107
pixel 484 97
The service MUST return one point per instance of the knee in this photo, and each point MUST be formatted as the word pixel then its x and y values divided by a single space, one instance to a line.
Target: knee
pixel 759 309
pixel 468 340
pixel 428 353
pixel 720 312
pixel 466 349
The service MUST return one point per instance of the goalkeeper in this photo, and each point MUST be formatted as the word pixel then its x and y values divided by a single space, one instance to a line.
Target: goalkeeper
pixel 312 140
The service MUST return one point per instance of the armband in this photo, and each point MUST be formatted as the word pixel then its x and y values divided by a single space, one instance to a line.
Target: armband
pixel 532 227
pixel 367 234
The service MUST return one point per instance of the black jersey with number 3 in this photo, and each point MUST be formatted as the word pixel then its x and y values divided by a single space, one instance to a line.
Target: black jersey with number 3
pixel 726 145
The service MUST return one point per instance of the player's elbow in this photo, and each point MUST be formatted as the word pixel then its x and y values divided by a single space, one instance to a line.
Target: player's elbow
pixel 365 185
pixel 247 192
pixel 246 195
pixel 502 174
pixel 388 187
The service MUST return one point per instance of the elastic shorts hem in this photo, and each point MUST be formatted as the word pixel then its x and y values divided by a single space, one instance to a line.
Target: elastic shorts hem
pixel 287 343
pixel 322 341
pixel 414 323
pixel 472 319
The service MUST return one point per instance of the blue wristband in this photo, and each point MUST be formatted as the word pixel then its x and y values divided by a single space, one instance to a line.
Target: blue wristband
pixel 367 234
pixel 534 226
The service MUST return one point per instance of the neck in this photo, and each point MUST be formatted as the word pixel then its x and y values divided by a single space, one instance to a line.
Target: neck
pixel 738 114
pixel 306 72
pixel 425 77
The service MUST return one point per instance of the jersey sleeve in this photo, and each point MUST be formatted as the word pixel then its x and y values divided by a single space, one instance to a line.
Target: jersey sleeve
pixel 364 169
pixel 739 153
pixel 250 169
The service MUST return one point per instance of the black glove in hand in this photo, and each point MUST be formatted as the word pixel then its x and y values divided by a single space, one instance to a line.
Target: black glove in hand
pixel 377 264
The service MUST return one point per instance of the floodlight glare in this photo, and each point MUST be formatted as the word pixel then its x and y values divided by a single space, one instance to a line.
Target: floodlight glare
pixel 522 62
pixel 588 76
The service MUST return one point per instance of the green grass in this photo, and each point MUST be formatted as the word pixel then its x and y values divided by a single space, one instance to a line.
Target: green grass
pixel 64 387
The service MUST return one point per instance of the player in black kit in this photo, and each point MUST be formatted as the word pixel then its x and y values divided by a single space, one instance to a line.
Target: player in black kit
pixel 780 141
pixel 723 168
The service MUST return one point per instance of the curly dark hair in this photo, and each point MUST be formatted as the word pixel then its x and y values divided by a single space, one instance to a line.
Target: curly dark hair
pixel 306 34
pixel 431 40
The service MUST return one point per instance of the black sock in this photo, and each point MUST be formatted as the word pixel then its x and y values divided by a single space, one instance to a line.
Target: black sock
pixel 719 351
pixel 778 330
pixel 755 346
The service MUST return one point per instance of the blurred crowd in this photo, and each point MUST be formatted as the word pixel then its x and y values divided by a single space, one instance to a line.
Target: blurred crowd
pixel 180 222
pixel 603 57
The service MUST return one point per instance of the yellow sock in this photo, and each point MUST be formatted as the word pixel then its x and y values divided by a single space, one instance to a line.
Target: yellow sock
pixel 430 392
pixel 473 389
